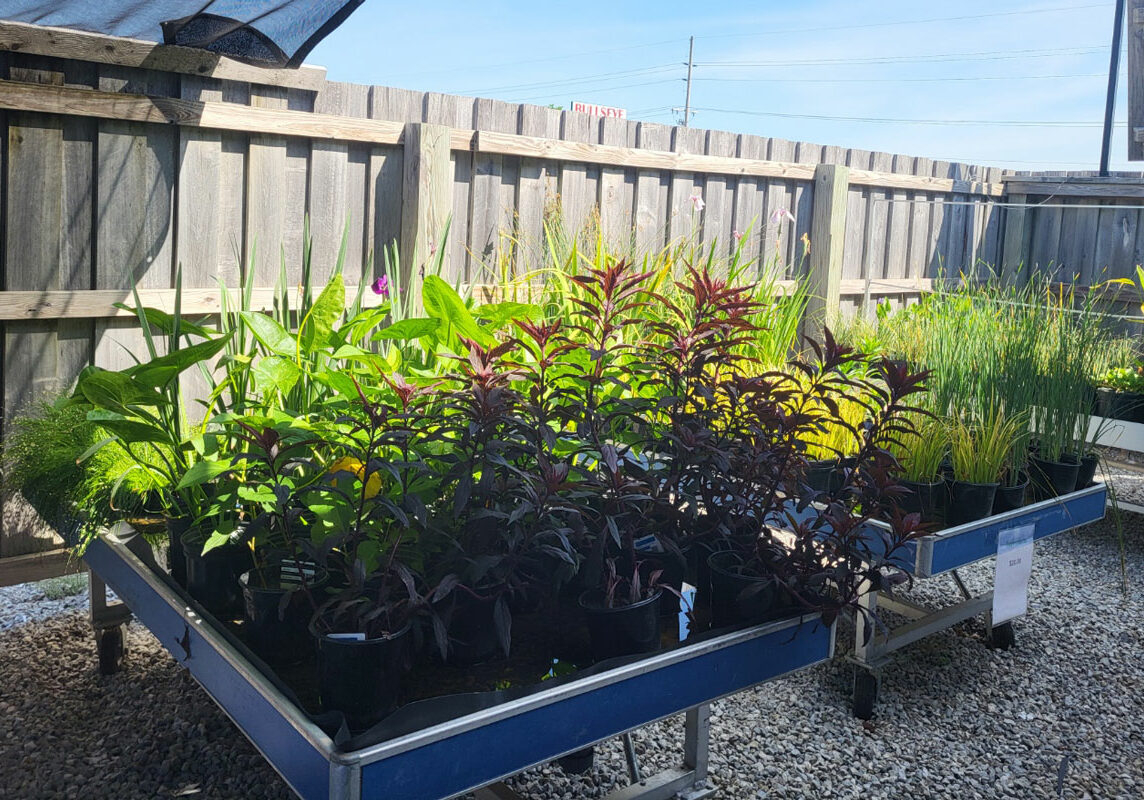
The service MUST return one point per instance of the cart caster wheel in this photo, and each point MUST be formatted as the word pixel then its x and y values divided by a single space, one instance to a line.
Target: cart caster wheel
pixel 111 650
pixel 865 693
pixel 1002 637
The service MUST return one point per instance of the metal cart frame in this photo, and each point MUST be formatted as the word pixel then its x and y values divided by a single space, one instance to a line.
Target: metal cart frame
pixel 943 553
pixel 472 752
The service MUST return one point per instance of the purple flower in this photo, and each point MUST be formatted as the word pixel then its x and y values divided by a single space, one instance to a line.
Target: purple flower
pixel 697 201
pixel 736 234
pixel 780 215
pixel 381 286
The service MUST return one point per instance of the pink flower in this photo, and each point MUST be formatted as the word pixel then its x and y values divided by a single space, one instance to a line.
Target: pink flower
pixel 737 234
pixel 781 215
pixel 381 286
pixel 697 201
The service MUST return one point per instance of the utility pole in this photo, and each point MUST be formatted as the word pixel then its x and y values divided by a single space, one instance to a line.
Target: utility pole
pixel 1110 99
pixel 687 98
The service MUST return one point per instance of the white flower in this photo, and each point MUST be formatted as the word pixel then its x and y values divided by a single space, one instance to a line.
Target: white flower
pixel 697 201
pixel 780 215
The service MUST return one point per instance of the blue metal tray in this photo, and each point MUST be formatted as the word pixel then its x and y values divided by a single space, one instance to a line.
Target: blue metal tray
pixel 471 751
pixel 966 544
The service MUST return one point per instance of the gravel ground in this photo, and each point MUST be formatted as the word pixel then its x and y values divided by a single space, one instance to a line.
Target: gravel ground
pixel 1126 469
pixel 955 719
pixel 26 603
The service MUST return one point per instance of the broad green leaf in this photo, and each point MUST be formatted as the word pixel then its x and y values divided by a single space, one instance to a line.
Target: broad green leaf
pixel 442 302
pixel 129 432
pixel 276 374
pixel 338 381
pixel 115 390
pixel 407 329
pixel 369 551
pixel 365 320
pixel 203 471
pixel 497 315
pixel 325 312
pixel 216 539
pixel 257 494
pixel 351 351
pixel 270 334
pixel 162 370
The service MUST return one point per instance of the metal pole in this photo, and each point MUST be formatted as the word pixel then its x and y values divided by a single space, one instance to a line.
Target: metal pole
pixel 1110 100
pixel 687 98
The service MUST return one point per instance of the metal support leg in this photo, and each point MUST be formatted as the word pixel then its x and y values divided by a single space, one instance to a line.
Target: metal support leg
pixel 697 740
pixel 632 759
pixel 688 782
pixel 868 655
pixel 961 585
pixel 107 623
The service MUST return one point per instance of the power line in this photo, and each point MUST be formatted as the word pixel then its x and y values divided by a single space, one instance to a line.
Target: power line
pixel 907 80
pixel 964 17
pixel 914 121
pixel 659 68
pixel 985 55
pixel 604 88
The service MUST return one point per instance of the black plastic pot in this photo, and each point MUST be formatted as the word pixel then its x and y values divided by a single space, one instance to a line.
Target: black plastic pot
pixel 278 633
pixel 969 502
pixel 176 558
pixel 698 570
pixel 621 630
pixel 674 566
pixel 1053 478
pixel 361 679
pixel 1126 406
pixel 820 475
pixel 924 498
pixel 212 579
pixel 738 598
pixel 472 629
pixel 579 762
pixel 1087 472
pixel 946 470
pixel 839 475
pixel 1010 498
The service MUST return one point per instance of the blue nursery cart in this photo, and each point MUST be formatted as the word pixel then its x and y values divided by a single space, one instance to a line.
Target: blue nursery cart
pixel 472 752
pixel 944 553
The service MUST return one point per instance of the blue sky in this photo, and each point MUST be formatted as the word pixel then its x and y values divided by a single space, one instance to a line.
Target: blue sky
pixel 1031 62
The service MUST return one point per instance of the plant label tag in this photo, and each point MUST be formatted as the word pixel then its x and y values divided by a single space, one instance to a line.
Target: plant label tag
pixel 1014 566
pixel 648 544
pixel 347 637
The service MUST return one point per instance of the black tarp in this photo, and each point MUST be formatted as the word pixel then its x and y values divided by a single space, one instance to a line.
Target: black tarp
pixel 269 33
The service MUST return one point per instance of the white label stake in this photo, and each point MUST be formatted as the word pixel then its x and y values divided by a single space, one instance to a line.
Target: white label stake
pixel 1014 566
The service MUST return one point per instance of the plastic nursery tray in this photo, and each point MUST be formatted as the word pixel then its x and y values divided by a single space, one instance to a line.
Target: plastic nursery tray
pixel 449 758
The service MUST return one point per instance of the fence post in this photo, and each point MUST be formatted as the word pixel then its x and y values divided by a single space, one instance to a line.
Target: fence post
pixel 827 233
pixel 426 197
pixel 1013 246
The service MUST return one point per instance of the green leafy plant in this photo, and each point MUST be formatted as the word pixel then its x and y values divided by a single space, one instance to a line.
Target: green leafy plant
pixel 1123 379
pixel 921 450
pixel 980 449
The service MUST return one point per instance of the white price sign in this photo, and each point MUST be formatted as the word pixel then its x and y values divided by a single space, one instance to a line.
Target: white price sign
pixel 1014 566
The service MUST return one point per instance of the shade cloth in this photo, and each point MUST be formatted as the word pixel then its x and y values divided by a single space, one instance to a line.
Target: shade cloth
pixel 270 33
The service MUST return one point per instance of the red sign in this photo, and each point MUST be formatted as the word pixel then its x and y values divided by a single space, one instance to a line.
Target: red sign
pixel 599 111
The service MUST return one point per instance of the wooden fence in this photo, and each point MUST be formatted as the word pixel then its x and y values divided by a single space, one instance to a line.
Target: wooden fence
pixel 124 161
